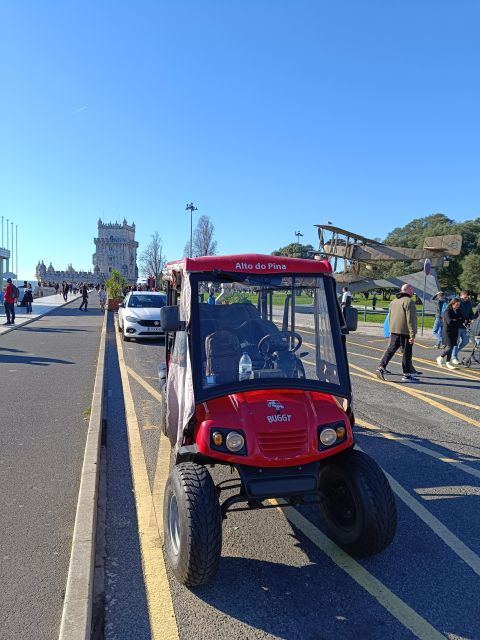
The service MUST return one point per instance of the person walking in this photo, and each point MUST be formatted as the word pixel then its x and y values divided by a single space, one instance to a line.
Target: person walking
pixel 102 297
pixel 28 298
pixel 65 289
pixel 374 300
pixel 346 298
pixel 403 329
pixel 9 302
pixel 467 315
pixel 452 322
pixel 440 307
pixel 84 294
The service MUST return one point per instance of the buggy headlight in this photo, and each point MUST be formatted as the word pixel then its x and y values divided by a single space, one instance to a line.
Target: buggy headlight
pixel 328 436
pixel 235 441
pixel 131 319
pixel 332 433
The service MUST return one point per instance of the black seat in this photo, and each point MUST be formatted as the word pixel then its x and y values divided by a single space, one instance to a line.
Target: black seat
pixel 223 353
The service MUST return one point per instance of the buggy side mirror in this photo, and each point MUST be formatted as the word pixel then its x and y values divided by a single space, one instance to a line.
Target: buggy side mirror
pixel 170 319
pixel 350 315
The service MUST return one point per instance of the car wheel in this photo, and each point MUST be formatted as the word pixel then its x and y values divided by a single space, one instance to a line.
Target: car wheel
pixel 192 524
pixel 125 339
pixel 359 506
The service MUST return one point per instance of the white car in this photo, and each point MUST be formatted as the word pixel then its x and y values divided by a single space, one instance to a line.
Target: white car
pixel 139 314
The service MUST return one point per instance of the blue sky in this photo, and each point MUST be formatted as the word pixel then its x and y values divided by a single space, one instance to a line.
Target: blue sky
pixel 271 116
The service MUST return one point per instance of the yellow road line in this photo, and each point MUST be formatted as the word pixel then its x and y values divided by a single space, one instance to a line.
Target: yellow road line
pixel 415 394
pixel 405 441
pixel 436 370
pixel 148 387
pixel 455 401
pixel 407 616
pixel 400 610
pixel 458 372
pixel 160 606
pixel 448 537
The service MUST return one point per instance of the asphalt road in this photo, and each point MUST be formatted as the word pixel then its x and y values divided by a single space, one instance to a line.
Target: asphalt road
pixel 280 577
pixel 47 371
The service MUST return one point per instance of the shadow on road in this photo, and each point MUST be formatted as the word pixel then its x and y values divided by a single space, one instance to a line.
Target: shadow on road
pixel 37 360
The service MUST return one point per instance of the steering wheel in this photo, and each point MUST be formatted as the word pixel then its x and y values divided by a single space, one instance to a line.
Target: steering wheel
pixel 279 342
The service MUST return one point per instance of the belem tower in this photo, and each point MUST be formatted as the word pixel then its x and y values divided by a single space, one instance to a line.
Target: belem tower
pixel 116 248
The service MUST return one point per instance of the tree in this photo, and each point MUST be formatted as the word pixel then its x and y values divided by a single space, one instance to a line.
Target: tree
pixel 152 258
pixel 203 243
pixel 115 285
pixel 295 250
pixel 413 235
pixel 470 276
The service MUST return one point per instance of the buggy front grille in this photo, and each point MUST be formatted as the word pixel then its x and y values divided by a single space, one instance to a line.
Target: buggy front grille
pixel 274 444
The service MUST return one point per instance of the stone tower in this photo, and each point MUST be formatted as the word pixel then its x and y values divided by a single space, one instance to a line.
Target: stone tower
pixel 116 248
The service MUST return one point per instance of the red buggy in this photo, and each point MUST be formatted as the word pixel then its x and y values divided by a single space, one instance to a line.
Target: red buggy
pixel 243 386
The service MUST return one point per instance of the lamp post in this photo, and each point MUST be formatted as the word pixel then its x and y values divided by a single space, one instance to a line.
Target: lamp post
pixel 190 207
pixel 299 235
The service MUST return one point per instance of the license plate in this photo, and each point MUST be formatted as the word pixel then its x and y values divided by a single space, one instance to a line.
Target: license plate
pixel 153 329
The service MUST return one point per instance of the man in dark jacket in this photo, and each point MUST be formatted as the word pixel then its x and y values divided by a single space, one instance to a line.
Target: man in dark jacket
pixel 84 293
pixel 403 329
pixel 466 312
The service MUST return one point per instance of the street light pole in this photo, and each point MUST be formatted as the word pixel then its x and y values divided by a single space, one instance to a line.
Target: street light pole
pixel 299 235
pixel 190 207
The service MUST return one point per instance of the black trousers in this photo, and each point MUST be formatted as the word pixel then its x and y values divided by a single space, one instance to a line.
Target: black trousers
pixel 450 340
pixel 398 340
pixel 84 303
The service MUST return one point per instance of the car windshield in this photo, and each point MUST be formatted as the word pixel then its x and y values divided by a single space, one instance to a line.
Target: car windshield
pixel 147 301
pixel 253 328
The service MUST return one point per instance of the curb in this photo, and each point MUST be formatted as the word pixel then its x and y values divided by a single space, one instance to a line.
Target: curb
pixel 77 607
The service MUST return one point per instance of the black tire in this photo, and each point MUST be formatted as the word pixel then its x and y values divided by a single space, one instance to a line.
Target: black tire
pixel 163 410
pixel 119 328
pixel 124 338
pixel 359 509
pixel 192 523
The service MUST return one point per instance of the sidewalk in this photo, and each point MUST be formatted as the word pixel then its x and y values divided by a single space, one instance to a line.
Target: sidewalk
pixel 40 307
pixel 306 321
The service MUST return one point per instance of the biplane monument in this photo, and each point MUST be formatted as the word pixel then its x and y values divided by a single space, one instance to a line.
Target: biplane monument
pixel 348 251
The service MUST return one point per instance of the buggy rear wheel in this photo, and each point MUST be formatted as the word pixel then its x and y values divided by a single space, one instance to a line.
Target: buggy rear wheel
pixel 359 507
pixel 466 361
pixel 192 524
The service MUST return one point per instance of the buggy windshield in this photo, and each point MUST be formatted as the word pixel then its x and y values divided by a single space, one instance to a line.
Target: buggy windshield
pixel 252 332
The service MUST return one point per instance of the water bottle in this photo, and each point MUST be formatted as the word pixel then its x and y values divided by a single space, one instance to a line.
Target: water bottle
pixel 245 367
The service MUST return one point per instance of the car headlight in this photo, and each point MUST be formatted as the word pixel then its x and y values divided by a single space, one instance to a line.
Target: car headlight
pixel 131 319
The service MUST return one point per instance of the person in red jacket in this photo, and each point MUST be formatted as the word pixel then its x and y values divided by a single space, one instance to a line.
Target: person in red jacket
pixel 9 302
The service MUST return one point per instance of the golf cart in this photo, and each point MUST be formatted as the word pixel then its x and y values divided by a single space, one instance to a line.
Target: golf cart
pixel 242 386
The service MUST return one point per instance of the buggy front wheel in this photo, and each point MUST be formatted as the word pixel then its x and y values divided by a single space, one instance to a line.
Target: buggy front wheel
pixel 192 524
pixel 359 506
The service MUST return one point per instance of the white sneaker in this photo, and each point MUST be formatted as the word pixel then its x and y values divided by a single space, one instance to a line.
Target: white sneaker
pixel 450 366
pixel 454 361
pixel 440 361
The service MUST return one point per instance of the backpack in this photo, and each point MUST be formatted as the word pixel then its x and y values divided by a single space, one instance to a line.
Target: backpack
pixel 15 292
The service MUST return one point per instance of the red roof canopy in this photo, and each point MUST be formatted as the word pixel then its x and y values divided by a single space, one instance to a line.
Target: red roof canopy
pixel 250 263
